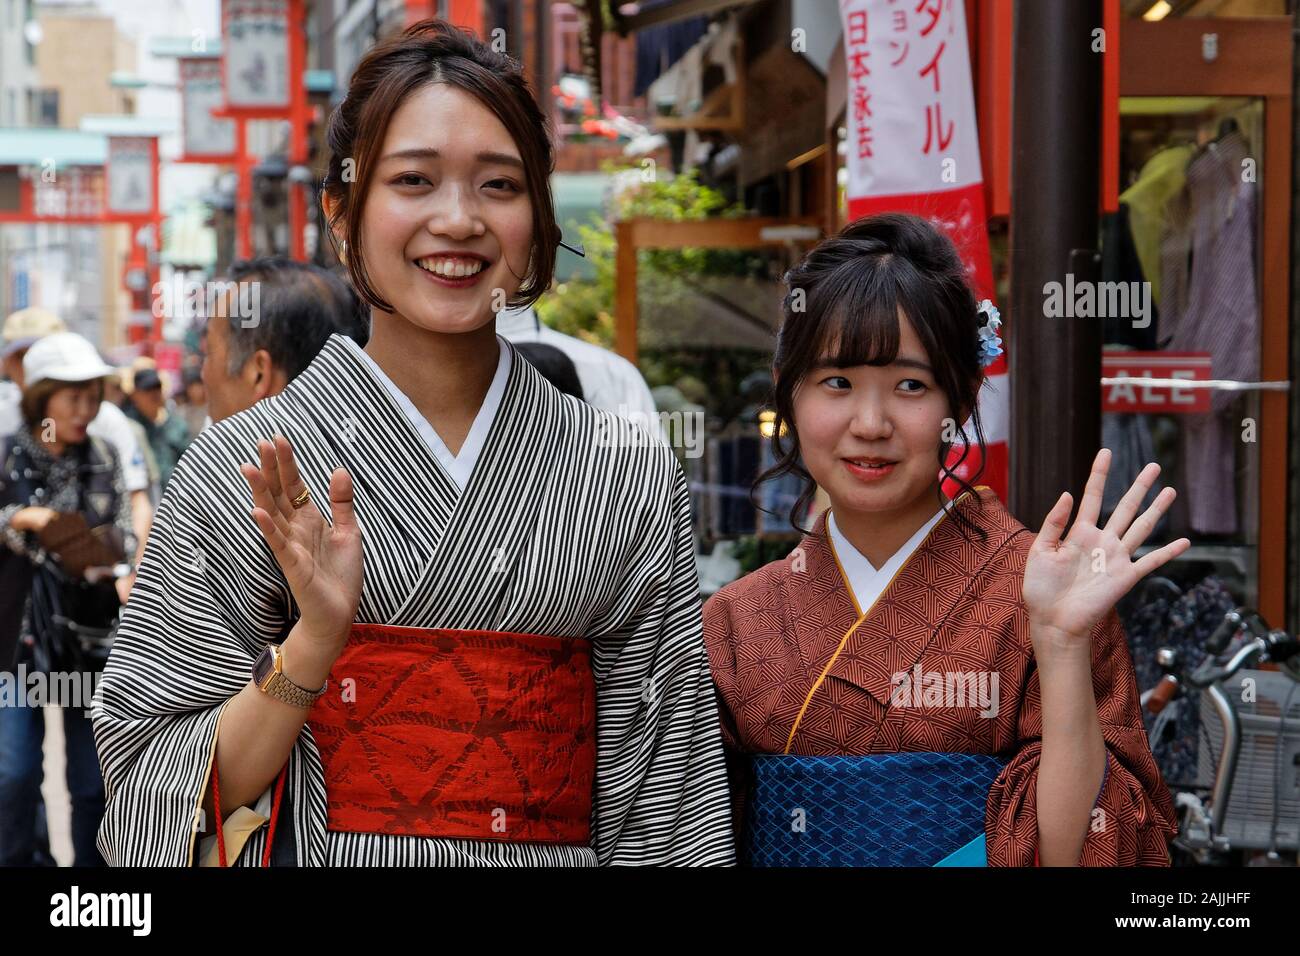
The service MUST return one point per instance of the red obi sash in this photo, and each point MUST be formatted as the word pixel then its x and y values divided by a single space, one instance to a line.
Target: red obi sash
pixel 480 735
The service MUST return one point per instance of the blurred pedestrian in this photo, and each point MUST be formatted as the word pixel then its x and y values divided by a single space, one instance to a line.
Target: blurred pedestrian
pixel 300 306
pixel 556 367
pixel 166 431
pixel 192 401
pixel 65 519
pixel 21 330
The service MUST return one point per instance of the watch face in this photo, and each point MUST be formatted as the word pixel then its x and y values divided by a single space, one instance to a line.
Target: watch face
pixel 264 665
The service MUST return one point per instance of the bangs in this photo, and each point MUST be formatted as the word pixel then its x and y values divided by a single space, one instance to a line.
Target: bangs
pixel 859 319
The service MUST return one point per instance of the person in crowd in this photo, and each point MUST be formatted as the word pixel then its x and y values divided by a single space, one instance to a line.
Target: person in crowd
pixel 608 380
pixel 556 367
pixel 164 429
pixel 192 401
pixel 299 306
pixel 23 329
pixel 65 521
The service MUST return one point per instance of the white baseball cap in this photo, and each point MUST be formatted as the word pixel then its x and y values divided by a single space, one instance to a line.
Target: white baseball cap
pixel 64 357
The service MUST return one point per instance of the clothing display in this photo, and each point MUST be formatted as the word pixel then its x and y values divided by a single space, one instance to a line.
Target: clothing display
pixel 1162 177
pixel 1187 226
pixel 1214 308
pixel 559 544
pixel 941 663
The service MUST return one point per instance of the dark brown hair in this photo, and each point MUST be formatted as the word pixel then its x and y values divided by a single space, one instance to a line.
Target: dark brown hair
pixel 435 51
pixel 844 300
pixel 36 399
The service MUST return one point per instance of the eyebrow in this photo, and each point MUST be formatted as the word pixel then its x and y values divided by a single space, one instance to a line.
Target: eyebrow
pixel 828 361
pixel 488 156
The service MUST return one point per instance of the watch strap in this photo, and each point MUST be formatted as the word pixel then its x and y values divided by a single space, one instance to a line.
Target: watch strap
pixel 277 685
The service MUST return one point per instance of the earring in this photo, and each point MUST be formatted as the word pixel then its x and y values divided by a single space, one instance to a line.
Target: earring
pixel 343 252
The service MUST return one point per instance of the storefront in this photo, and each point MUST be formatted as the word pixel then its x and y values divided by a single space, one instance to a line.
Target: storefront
pixel 1197 193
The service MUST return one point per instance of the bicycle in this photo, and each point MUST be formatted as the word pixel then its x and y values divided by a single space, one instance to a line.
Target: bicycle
pixel 1243 637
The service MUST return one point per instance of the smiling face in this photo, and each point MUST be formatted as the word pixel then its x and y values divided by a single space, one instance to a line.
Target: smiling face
pixel 870 435
pixel 448 219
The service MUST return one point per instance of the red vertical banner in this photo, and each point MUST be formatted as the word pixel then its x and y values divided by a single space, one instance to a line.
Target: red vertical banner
pixel 913 146
pixel 1110 106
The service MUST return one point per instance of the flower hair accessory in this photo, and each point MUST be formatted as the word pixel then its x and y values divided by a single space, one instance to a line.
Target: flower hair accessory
pixel 990 340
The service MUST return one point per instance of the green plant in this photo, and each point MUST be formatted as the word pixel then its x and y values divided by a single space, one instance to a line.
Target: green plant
pixel 584 308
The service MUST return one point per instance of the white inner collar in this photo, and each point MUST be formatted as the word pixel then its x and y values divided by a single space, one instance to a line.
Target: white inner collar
pixel 459 466
pixel 865 581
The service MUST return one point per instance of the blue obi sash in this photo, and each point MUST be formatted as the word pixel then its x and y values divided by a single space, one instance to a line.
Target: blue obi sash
pixel 904 809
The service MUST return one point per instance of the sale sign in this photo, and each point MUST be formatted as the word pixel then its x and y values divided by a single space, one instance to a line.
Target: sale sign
pixel 913 146
pixel 1123 389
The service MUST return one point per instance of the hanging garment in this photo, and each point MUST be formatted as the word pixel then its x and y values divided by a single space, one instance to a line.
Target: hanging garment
pixel 1147 200
pixel 1119 263
pixel 1214 309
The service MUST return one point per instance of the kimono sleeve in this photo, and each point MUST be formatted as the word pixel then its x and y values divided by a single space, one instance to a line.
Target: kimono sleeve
pixel 207 596
pixel 1133 816
pixel 720 641
pixel 661 786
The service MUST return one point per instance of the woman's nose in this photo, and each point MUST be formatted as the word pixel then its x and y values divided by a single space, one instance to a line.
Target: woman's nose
pixel 457 215
pixel 870 420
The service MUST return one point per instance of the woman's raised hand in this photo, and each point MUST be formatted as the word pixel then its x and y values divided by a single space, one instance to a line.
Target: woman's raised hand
pixel 1072 582
pixel 322 563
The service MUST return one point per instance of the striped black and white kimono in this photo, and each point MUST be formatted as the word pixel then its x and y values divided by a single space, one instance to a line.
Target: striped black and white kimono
pixel 570 525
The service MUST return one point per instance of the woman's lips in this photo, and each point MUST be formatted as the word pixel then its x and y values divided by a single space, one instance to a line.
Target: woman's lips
pixel 868 473
pixel 462 282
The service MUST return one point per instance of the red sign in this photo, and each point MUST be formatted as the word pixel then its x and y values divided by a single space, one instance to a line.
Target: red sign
pixel 1168 399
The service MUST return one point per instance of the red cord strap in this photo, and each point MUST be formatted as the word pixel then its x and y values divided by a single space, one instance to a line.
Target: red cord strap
pixel 275 814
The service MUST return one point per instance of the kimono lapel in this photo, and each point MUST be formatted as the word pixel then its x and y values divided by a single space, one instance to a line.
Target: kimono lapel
pixel 491 523
pixel 404 499
pixel 889 637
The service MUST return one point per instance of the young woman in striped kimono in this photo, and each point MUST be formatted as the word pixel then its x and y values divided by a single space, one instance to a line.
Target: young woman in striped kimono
pixel 458 619
pixel 923 681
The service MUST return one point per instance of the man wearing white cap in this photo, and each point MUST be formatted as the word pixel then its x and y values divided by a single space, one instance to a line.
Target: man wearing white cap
pixel 21 330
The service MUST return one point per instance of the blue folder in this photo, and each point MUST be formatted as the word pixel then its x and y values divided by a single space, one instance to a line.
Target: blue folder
pixel 905 809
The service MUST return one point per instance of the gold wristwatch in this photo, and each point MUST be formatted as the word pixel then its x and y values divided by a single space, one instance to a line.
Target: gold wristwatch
pixel 268 675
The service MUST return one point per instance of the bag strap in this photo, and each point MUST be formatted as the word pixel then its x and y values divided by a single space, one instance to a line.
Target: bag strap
pixel 275 815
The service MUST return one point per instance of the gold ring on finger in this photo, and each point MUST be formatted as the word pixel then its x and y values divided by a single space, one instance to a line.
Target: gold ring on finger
pixel 301 499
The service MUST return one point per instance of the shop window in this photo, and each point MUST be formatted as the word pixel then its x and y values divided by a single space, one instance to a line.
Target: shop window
pixel 1180 301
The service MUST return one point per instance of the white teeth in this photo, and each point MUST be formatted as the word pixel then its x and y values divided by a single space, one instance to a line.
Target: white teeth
pixel 452 268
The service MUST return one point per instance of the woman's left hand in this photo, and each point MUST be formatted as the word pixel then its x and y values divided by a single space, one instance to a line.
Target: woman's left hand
pixel 1071 583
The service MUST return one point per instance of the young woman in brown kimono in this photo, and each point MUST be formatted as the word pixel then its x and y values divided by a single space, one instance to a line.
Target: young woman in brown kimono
pixel 849 646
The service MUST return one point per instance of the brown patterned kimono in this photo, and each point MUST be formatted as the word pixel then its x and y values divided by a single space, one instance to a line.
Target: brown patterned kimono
pixel 798 670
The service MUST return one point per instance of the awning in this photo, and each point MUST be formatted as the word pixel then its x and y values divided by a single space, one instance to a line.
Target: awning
pixel 63 147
